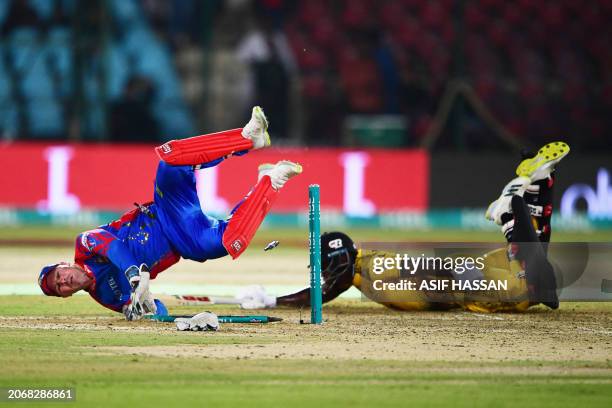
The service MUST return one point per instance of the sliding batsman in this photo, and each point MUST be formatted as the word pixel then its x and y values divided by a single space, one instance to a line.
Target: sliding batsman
pixel 115 262
pixel 523 211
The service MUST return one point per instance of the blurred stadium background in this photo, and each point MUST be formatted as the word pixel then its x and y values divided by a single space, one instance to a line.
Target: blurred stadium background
pixel 410 114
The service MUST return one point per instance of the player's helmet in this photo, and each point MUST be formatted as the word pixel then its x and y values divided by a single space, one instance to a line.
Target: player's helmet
pixel 338 255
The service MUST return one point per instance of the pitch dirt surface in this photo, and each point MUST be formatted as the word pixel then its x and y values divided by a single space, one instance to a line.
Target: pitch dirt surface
pixel 354 330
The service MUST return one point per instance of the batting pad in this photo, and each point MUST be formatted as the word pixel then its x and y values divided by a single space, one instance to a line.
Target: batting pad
pixel 203 149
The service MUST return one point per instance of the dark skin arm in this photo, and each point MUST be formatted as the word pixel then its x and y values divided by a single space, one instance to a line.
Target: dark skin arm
pixel 331 289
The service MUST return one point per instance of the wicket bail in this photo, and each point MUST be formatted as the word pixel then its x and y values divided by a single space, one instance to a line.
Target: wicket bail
pixel 314 240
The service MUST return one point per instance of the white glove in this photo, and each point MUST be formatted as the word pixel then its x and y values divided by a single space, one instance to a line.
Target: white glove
pixel 133 311
pixel 255 297
pixel 141 300
pixel 136 309
pixel 148 303
pixel 205 321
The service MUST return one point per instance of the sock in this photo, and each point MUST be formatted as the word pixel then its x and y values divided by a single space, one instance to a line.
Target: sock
pixel 203 149
pixel 539 199
pixel 248 216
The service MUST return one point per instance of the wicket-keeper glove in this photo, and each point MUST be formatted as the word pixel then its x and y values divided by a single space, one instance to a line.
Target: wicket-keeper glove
pixel 141 300
pixel 201 322
pixel 133 311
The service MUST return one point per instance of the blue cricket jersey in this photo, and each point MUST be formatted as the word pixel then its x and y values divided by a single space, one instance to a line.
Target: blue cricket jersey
pixel 106 252
pixel 158 234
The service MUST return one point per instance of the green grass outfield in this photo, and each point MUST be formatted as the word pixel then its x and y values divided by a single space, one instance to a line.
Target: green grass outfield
pixel 73 355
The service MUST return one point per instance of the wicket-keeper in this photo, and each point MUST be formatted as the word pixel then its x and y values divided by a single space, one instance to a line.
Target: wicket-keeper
pixel 115 262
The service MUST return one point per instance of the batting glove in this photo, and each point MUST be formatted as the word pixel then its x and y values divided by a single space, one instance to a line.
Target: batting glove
pixel 255 297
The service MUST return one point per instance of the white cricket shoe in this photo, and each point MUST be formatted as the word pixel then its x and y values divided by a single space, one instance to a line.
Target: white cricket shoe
pixel 257 129
pixel 503 204
pixel 280 172
pixel 264 170
pixel 543 163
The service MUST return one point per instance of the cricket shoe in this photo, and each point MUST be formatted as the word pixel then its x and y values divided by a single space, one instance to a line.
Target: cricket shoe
pixel 280 172
pixel 543 163
pixel 264 170
pixel 257 129
pixel 502 205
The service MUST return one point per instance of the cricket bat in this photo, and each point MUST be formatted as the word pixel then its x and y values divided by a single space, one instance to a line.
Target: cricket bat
pixel 196 300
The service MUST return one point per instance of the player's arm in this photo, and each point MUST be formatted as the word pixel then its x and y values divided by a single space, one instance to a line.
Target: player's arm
pixel 134 281
pixel 329 291
pixel 255 297
pixel 105 244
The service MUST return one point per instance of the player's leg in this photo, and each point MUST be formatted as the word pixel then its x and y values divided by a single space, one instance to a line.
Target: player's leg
pixel 527 195
pixel 199 237
pixel 532 220
pixel 540 168
pixel 250 212
pixel 208 148
pixel 529 250
pixel 538 193
pixel 500 210
pixel 512 213
pixel 539 199
pixel 181 216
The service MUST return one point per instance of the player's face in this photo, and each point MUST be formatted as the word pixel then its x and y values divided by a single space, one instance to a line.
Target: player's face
pixel 67 279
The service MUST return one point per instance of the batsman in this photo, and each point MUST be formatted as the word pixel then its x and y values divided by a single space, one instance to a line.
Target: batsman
pixel 115 262
pixel 523 211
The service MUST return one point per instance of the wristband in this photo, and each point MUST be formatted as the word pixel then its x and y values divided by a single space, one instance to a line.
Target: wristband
pixel 132 272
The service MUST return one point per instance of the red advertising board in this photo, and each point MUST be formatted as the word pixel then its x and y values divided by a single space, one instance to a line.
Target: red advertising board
pixel 65 178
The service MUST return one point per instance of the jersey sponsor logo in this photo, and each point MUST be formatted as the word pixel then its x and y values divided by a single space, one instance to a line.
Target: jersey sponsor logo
pixel 237 245
pixel 96 241
pixel 335 243
pixel 536 210
pixel 114 287
pixel 87 241
pixel 166 148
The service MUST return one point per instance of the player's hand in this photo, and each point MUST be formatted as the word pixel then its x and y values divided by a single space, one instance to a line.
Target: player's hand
pixel 141 299
pixel 133 311
pixel 148 303
pixel 255 297
pixel 135 275
pixel 136 309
